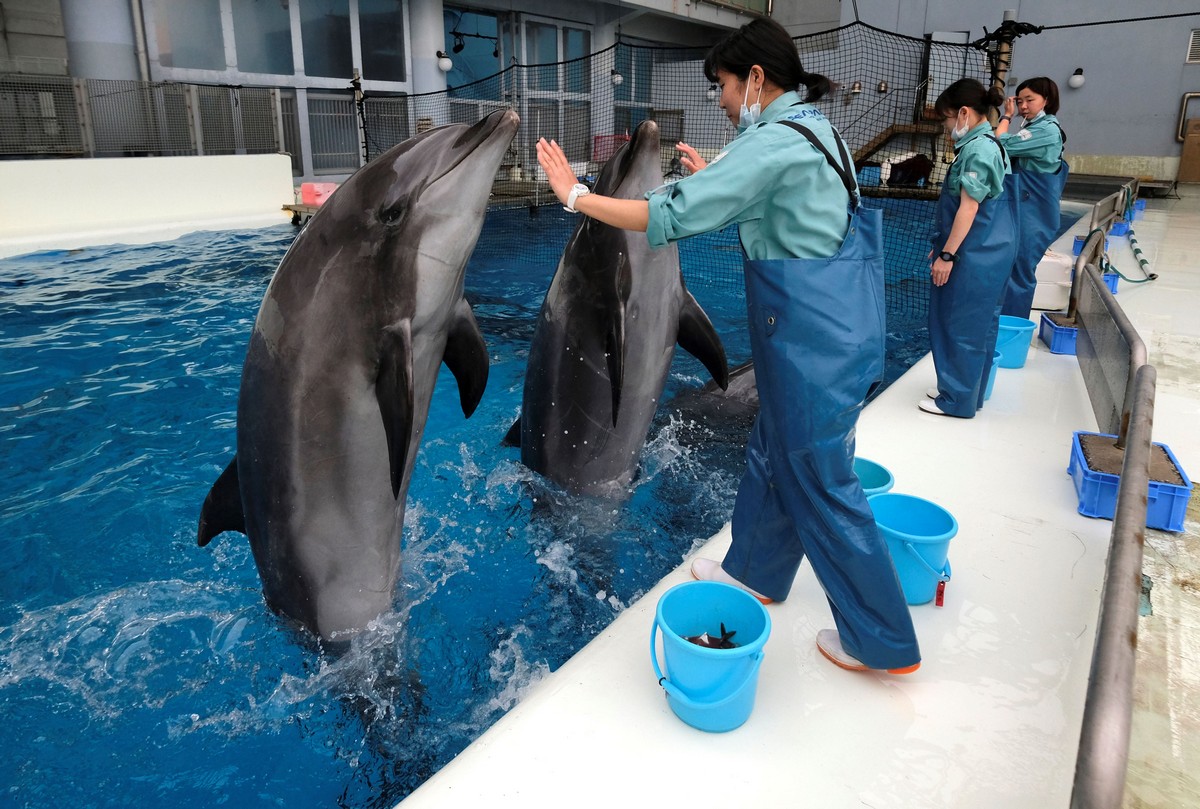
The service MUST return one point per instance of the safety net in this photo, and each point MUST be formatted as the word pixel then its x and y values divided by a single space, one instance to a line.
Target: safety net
pixel 884 88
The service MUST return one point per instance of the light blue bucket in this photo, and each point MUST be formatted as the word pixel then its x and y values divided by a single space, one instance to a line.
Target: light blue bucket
pixel 1016 333
pixel 710 689
pixel 991 383
pixel 875 478
pixel 918 534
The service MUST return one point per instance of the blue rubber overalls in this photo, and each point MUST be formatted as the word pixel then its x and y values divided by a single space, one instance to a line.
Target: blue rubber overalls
pixel 817 336
pixel 1038 212
pixel 964 313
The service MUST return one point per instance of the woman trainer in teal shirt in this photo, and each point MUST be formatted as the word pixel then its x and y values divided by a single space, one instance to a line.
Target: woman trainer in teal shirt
pixel 1036 151
pixel 974 243
pixel 814 293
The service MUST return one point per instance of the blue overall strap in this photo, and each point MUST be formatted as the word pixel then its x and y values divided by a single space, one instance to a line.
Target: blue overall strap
pixel 1003 151
pixel 844 170
pixel 1062 132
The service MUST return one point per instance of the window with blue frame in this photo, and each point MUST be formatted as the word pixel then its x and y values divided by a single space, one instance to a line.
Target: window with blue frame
pixel 188 34
pixel 473 45
pixel 381 35
pixel 325 33
pixel 262 34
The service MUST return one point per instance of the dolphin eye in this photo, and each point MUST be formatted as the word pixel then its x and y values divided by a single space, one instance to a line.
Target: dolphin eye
pixel 392 215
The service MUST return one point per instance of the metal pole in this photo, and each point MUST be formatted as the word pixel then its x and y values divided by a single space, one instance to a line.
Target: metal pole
pixel 1108 711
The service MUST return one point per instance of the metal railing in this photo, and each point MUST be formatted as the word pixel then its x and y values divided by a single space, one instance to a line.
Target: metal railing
pixel 58 116
pixel 1103 756
pixel 1120 382
pixel 1109 351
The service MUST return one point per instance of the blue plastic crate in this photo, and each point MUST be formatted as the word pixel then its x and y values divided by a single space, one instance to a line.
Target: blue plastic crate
pixel 1081 240
pixel 1110 281
pixel 1060 339
pixel 1097 491
pixel 1118 228
pixel 868 175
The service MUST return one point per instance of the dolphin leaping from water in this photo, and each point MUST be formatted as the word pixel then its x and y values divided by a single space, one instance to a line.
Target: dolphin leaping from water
pixel 363 309
pixel 604 341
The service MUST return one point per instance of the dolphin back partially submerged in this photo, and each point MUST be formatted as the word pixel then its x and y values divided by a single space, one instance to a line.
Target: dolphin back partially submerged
pixel 363 309
pixel 605 339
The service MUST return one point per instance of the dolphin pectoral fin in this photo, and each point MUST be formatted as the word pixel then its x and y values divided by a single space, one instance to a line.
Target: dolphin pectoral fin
pixel 698 338
pixel 513 437
pixel 222 509
pixel 614 344
pixel 467 357
pixel 614 353
pixel 394 392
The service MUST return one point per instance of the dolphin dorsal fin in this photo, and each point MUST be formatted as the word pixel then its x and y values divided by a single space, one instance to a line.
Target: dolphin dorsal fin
pixel 698 338
pixel 513 437
pixel 222 509
pixel 394 393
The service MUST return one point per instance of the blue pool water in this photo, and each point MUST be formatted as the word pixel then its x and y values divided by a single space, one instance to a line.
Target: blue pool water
pixel 139 669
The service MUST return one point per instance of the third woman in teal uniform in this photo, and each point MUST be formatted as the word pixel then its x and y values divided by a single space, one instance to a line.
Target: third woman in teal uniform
pixel 974 244
pixel 1036 151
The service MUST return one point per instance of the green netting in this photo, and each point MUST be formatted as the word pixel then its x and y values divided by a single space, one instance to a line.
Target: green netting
pixel 881 105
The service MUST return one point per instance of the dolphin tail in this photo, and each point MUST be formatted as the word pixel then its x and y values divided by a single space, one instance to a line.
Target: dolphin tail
pixel 698 338
pixel 467 357
pixel 394 392
pixel 222 509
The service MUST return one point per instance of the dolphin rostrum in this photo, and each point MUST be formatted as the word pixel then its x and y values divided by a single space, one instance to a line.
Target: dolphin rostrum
pixel 363 309
pixel 604 341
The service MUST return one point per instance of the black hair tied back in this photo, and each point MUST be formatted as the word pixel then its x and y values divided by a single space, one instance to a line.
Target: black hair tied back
pixel 818 86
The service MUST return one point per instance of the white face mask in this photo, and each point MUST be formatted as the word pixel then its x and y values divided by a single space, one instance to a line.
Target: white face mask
pixel 958 132
pixel 748 117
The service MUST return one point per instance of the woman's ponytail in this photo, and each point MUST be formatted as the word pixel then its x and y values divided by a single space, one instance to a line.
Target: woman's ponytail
pixel 818 86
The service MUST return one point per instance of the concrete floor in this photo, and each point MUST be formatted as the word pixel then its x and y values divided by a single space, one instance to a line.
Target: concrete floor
pixel 992 718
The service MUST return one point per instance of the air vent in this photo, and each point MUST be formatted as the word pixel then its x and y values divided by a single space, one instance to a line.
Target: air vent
pixel 1194 47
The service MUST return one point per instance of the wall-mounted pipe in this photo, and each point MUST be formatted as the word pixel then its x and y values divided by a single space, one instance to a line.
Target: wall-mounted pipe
pixel 1182 112
pixel 139 39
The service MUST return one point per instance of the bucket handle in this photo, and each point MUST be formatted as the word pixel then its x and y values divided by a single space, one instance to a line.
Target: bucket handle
pixel 943 574
pixel 678 695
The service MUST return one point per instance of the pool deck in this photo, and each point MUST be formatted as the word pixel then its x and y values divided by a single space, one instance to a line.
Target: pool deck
pixel 992 718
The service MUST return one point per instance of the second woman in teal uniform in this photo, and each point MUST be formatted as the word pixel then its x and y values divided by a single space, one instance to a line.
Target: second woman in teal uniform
pixel 1036 151
pixel 974 244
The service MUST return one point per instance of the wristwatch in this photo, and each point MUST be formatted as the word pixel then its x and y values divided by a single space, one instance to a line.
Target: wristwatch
pixel 946 255
pixel 578 190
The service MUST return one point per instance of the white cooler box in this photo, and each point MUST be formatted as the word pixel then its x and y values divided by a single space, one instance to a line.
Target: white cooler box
pixel 1053 289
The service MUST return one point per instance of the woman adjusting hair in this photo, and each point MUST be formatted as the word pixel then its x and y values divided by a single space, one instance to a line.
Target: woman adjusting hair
pixel 1036 151
pixel 814 294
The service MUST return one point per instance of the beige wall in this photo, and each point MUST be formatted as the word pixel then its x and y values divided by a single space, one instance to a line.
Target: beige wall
pixel 60 204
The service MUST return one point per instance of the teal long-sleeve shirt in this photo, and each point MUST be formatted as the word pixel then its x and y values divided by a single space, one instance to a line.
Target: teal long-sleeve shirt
pixel 786 198
pixel 979 166
pixel 1037 146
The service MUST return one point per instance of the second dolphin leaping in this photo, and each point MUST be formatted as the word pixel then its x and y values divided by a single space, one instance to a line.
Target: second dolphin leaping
pixel 605 339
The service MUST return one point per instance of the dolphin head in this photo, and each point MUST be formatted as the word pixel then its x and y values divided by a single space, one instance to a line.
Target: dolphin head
pixel 417 209
pixel 635 168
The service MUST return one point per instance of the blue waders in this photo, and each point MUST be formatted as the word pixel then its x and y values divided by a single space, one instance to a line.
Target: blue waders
pixel 817 336
pixel 964 313
pixel 1038 212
